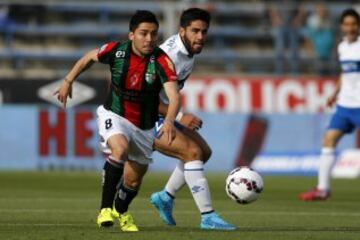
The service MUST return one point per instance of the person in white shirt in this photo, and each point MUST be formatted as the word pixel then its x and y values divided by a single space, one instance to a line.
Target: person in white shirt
pixel 347 98
pixel 188 146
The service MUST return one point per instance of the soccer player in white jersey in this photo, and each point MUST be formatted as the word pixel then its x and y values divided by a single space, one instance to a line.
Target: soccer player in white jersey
pixel 188 146
pixel 347 96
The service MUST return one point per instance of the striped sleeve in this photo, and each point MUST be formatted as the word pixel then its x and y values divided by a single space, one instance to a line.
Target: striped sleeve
pixel 166 69
pixel 106 52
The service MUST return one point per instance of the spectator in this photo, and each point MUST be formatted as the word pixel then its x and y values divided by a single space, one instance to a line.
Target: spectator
pixel 321 35
pixel 4 14
pixel 286 18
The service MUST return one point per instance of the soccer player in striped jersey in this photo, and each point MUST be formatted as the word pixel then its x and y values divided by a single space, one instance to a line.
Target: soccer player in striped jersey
pixel 189 146
pixel 139 70
pixel 347 96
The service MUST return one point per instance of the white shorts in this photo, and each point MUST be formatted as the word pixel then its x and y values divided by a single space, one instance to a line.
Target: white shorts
pixel 140 141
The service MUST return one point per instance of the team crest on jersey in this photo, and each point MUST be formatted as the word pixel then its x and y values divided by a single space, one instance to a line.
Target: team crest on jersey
pixel 149 77
pixel 150 71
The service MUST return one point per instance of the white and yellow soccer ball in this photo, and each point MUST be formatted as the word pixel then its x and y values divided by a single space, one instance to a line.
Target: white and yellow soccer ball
pixel 244 185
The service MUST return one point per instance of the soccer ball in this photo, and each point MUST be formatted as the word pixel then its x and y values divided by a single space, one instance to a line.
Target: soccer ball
pixel 244 185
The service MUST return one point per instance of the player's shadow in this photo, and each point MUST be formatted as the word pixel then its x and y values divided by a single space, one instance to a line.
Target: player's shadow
pixel 299 229
pixel 254 229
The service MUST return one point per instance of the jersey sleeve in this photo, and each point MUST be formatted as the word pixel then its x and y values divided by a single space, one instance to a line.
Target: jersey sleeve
pixel 166 69
pixel 106 52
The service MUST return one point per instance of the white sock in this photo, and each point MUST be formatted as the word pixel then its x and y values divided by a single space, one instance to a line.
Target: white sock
pixel 195 179
pixel 327 160
pixel 176 180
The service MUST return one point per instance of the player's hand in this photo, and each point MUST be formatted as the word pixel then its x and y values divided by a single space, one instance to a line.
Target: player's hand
pixel 64 92
pixel 168 132
pixel 191 121
pixel 331 100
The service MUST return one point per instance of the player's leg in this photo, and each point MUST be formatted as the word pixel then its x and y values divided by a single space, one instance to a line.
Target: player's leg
pixel 185 150
pixel 339 125
pixel 190 153
pixel 327 158
pixel 200 141
pixel 177 179
pixel 114 137
pixel 128 189
pixel 112 173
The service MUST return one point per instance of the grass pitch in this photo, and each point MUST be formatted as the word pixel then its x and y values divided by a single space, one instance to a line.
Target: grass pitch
pixel 64 205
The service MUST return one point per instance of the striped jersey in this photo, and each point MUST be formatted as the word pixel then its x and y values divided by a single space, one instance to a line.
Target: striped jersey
pixel 349 57
pixel 135 82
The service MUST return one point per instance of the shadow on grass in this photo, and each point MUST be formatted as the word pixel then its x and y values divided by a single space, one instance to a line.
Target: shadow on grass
pixel 252 229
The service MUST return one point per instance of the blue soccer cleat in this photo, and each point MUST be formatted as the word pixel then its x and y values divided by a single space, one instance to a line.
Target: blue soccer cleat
pixel 212 221
pixel 164 204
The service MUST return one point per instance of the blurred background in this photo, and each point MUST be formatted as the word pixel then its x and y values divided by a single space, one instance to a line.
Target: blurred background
pixel 260 85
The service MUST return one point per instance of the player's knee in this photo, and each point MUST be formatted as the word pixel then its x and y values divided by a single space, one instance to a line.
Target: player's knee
pixel 133 183
pixel 329 141
pixel 118 153
pixel 193 152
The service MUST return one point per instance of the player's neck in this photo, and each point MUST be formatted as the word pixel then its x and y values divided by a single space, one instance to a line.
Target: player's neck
pixel 352 39
pixel 187 47
pixel 136 52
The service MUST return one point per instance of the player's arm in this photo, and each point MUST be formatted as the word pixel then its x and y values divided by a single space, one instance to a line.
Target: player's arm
pixel 80 66
pixel 188 120
pixel 332 99
pixel 163 107
pixel 173 95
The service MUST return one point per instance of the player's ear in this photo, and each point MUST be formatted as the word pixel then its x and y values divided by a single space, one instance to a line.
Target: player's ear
pixel 182 31
pixel 131 36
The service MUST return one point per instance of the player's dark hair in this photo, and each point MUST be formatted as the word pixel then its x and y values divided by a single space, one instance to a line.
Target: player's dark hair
pixel 193 14
pixel 352 13
pixel 142 16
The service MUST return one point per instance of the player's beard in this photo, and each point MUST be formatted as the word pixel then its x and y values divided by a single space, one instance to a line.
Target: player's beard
pixel 188 47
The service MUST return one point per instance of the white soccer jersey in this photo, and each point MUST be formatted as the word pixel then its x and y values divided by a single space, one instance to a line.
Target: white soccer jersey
pixel 176 50
pixel 349 57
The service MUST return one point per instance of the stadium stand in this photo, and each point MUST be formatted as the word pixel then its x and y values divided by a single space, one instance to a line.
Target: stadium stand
pixel 44 40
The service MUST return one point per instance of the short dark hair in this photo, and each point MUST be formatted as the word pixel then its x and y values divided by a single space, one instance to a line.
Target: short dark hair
pixel 142 16
pixel 193 14
pixel 352 13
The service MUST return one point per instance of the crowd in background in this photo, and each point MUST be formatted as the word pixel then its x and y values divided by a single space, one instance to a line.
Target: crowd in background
pixel 292 37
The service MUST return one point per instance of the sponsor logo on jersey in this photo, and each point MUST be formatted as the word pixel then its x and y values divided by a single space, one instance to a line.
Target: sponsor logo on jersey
pixel 120 54
pixel 171 42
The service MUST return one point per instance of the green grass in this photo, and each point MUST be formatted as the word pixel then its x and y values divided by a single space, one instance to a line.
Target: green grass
pixel 63 205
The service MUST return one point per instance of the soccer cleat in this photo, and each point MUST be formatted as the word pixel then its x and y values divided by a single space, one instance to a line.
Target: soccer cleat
pixel 164 204
pixel 212 221
pixel 105 218
pixel 315 195
pixel 127 223
pixel 115 213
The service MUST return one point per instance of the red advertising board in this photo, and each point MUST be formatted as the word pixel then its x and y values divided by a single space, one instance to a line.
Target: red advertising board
pixel 257 94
